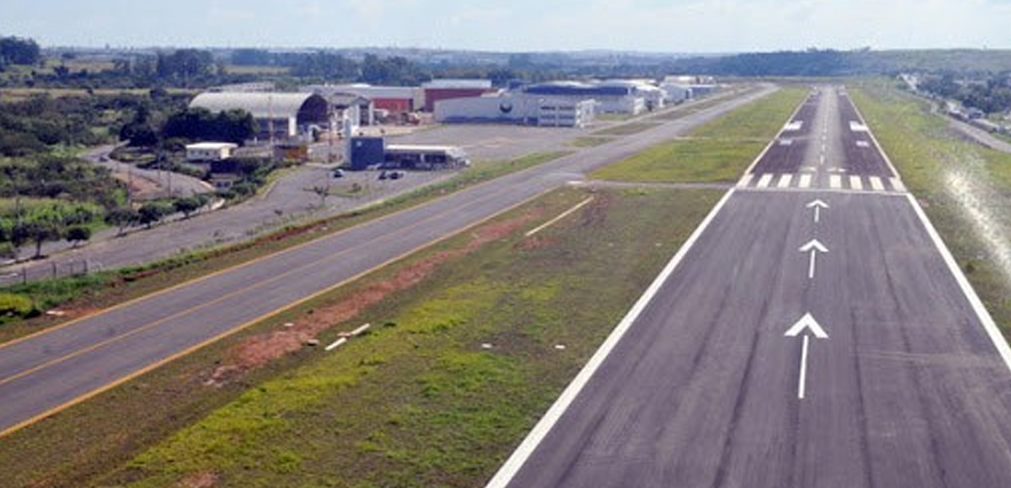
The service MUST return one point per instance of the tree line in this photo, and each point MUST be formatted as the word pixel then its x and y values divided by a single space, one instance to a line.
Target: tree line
pixel 988 94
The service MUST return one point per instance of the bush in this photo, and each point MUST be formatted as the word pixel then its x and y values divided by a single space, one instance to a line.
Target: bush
pixel 12 305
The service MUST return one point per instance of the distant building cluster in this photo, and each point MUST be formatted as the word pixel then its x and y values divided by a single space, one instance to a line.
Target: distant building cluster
pixel 296 123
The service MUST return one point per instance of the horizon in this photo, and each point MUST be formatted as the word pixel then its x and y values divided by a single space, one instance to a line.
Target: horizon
pixel 693 27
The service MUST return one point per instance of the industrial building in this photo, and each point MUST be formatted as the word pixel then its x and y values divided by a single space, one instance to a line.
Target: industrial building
pixel 610 97
pixel 447 89
pixel 209 151
pixel 373 152
pixel 278 115
pixel 396 100
pixel 517 108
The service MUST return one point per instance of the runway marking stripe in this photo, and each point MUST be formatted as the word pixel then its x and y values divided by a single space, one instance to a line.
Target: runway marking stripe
pixel 970 294
pixel 559 217
pixel 764 181
pixel 876 183
pixel 805 181
pixel 856 183
pixel 785 180
pixel 746 180
pixel 512 465
pixel 897 185
pixel 835 182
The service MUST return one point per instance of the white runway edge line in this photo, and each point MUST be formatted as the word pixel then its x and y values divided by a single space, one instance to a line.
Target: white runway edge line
pixel 519 457
pixel 977 305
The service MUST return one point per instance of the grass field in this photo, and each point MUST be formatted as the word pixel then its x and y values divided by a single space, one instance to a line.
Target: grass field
pixel 421 401
pixel 589 141
pixel 716 152
pixel 15 94
pixel 964 188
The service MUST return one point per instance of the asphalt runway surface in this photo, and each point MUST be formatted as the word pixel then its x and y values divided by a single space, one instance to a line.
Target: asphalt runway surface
pixel 811 336
pixel 53 370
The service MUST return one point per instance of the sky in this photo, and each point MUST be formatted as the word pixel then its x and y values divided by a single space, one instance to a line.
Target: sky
pixel 685 26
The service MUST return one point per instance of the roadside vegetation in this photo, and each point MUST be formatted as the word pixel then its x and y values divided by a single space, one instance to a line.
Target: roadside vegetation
pixel 80 294
pixel 471 341
pixel 964 188
pixel 716 152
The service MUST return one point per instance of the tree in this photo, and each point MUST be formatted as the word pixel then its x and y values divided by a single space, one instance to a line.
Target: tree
pixel 77 234
pixel 122 217
pixel 187 205
pixel 42 227
pixel 322 191
pixel 16 50
pixel 153 212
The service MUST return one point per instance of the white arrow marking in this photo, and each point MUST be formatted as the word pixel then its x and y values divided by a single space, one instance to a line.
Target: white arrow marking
pixel 806 323
pixel 817 205
pixel 814 247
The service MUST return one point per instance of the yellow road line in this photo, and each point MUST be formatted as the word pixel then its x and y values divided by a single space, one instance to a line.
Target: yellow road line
pixel 243 326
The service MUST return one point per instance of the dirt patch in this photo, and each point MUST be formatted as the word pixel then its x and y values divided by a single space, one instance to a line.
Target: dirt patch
pixel 596 211
pixel 260 349
pixel 199 480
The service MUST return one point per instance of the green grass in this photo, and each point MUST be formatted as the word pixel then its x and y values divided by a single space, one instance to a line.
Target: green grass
pixel 716 152
pixel 965 189
pixel 587 141
pixel 626 129
pixel 418 401
pixel 107 288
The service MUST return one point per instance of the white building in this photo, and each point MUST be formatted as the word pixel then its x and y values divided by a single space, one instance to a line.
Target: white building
pixel 517 108
pixel 210 151
pixel 280 115
pixel 613 98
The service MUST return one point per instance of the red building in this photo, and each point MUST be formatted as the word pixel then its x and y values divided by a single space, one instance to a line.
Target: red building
pixel 447 89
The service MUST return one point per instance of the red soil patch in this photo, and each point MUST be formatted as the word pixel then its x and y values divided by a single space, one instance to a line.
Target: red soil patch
pixel 257 350
pixel 199 480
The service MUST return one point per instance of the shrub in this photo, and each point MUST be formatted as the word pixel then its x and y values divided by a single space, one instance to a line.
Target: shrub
pixel 12 305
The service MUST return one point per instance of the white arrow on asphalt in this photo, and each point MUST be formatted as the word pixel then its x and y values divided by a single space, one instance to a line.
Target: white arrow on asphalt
pixel 814 247
pixel 808 326
pixel 817 205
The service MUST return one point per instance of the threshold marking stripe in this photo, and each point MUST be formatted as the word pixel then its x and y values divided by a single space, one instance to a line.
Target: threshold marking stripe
pixel 805 181
pixel 835 182
pixel 519 457
pixel 897 185
pixel 785 180
pixel 746 180
pixel 764 181
pixel 856 183
pixel 876 184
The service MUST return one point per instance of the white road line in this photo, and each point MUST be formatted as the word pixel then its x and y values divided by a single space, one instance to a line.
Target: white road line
pixel 821 160
pixel 559 217
pixel 897 185
pixel 876 183
pixel 785 180
pixel 746 180
pixel 977 305
pixel 856 183
pixel 764 181
pixel 803 368
pixel 512 465
pixel 835 182
pixel 336 344
pixel 805 181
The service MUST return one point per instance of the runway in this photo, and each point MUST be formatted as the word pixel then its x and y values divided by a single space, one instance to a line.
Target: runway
pixel 814 335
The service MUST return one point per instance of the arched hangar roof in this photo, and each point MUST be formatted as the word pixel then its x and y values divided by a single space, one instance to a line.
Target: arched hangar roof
pixel 305 107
